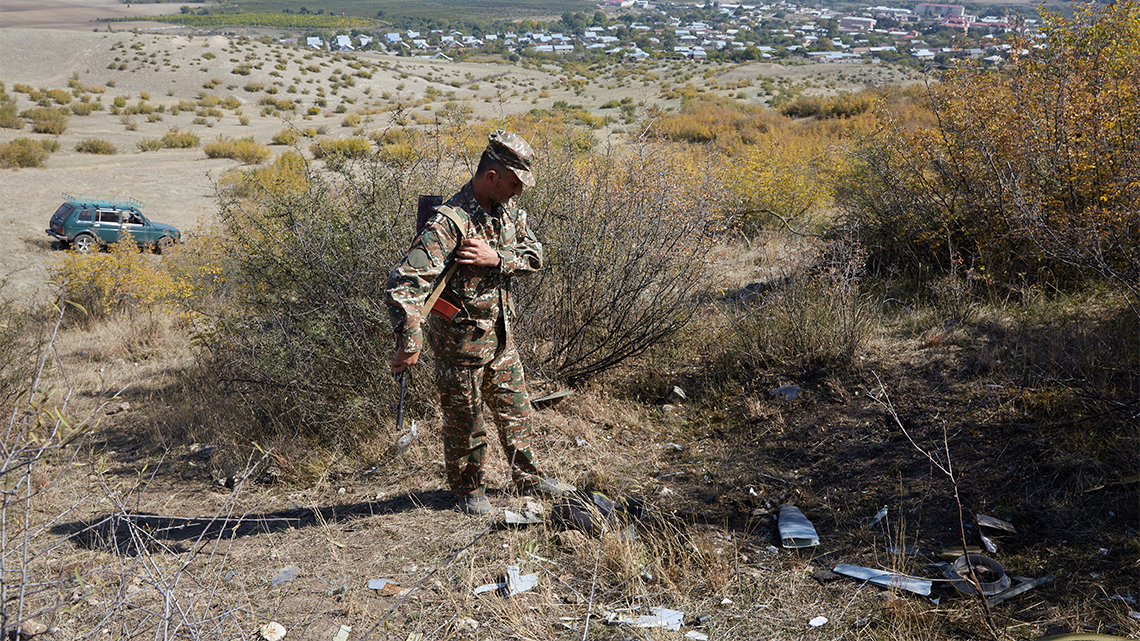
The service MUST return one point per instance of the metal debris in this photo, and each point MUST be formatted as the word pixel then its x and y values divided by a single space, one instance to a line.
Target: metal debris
pixel 882 514
pixel 991 547
pixel 789 392
pixel 997 524
pixel 404 441
pixel 514 583
pixel 550 398
pixel 1021 588
pixel 658 617
pixel 796 531
pixel 518 584
pixel 526 518
pixel 384 586
pixel 990 575
pixel 286 575
pixel 886 579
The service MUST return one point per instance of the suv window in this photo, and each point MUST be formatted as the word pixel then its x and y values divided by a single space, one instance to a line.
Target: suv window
pixel 61 214
pixel 108 215
pixel 84 215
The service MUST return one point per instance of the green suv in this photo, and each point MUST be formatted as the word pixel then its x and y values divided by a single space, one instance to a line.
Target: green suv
pixel 87 222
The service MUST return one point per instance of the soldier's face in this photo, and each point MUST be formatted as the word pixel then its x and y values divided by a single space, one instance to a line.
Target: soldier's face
pixel 505 185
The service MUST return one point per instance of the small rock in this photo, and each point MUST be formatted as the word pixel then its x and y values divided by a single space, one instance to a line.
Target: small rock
pixel 571 539
pixel 726 601
pixel 30 628
pixel 466 624
pixel 823 576
pixel 818 621
pixel 272 631
pixel 340 491
pixel 384 587
pixel 118 409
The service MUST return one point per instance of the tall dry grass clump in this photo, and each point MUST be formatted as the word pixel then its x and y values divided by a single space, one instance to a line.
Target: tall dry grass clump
pixel 813 312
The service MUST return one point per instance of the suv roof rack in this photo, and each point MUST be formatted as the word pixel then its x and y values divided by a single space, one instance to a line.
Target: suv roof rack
pixel 104 201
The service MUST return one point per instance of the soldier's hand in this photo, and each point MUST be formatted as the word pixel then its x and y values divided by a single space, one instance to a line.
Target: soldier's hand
pixel 402 360
pixel 476 251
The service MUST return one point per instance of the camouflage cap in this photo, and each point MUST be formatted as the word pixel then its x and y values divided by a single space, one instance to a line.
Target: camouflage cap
pixel 511 151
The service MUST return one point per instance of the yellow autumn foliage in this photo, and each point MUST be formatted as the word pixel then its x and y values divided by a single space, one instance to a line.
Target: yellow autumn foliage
pixel 120 281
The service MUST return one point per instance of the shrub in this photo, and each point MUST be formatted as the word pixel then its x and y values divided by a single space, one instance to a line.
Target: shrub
pixel 351 120
pixel 149 144
pixel 47 120
pixel 25 152
pixel 246 150
pixel 1029 174
pixel 119 281
pixel 812 316
pixel 176 139
pixel 341 149
pixel 9 118
pixel 287 136
pixel 95 146
pixel 85 108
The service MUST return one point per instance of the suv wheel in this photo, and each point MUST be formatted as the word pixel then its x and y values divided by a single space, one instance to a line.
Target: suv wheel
pixel 163 244
pixel 83 243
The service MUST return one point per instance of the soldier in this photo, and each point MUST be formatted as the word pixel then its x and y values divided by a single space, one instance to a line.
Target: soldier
pixel 475 243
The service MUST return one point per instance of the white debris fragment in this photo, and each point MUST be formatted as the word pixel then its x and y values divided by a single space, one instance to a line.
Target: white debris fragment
pixel 818 621
pixel 272 631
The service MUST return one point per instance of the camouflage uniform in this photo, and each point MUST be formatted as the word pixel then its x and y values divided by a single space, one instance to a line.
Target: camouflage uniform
pixel 476 358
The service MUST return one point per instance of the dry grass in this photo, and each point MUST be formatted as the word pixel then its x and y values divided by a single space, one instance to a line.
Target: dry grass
pixel 1010 381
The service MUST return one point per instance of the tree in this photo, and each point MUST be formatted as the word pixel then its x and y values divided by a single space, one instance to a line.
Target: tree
pixel 1031 173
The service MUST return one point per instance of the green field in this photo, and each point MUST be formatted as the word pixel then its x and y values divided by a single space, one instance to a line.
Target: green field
pixel 273 20
pixel 397 11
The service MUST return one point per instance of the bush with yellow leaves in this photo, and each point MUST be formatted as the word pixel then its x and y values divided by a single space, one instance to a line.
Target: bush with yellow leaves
pixel 121 281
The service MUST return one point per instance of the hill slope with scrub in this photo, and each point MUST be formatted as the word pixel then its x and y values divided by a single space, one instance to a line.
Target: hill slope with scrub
pixel 873 300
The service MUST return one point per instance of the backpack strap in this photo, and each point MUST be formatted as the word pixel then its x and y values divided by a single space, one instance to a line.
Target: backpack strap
pixel 449 311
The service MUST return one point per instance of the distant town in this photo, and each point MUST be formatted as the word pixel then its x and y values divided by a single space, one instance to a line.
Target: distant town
pixel 640 29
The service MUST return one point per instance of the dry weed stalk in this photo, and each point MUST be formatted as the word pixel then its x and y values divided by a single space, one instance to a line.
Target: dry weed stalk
pixel 946 467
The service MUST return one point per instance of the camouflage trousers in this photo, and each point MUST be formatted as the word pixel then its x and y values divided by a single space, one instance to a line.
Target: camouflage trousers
pixel 462 391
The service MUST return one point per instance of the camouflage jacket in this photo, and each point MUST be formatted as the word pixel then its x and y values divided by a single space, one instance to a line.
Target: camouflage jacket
pixel 482 294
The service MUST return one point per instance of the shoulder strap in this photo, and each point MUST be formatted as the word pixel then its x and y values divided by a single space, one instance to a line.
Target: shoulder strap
pixel 452 215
